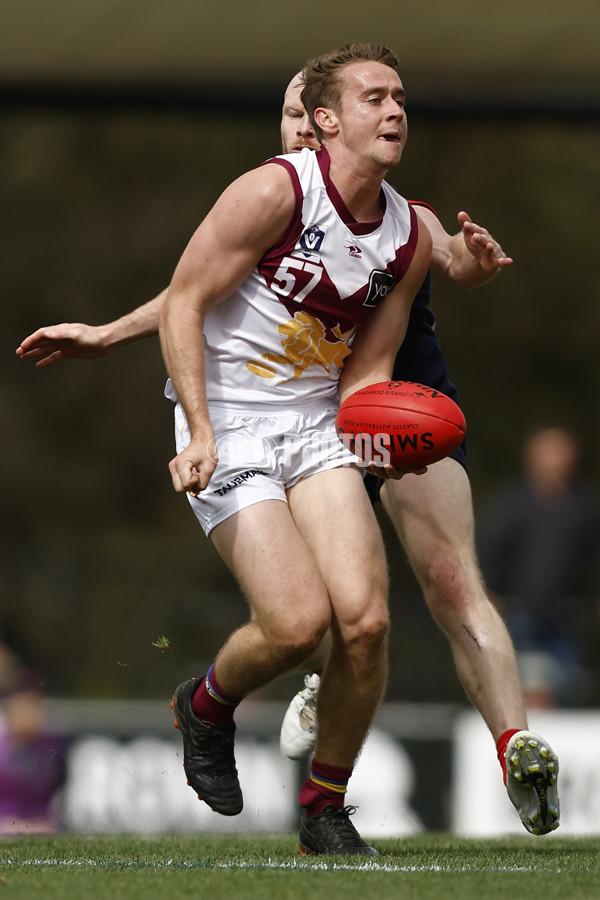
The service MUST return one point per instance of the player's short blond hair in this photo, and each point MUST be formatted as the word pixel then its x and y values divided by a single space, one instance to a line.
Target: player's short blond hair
pixel 321 75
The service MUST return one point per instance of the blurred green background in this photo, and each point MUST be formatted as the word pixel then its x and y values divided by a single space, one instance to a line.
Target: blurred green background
pixel 121 123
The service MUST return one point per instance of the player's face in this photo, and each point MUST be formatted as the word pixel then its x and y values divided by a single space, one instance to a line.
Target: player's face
pixel 296 130
pixel 371 120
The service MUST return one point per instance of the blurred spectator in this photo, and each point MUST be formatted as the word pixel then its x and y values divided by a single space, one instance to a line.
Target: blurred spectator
pixel 540 556
pixel 10 668
pixel 32 760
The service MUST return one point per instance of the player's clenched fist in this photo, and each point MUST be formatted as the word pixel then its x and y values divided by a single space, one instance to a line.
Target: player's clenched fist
pixel 191 470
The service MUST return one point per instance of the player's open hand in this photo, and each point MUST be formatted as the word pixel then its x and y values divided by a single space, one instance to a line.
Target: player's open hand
pixel 486 250
pixel 69 340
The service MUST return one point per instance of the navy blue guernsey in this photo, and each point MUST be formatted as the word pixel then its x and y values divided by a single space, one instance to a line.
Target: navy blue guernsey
pixel 420 357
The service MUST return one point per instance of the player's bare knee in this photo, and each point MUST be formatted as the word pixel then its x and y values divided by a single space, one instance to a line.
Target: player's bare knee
pixel 453 591
pixel 366 635
pixel 297 641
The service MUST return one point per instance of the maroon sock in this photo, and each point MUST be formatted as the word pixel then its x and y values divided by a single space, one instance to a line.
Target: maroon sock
pixel 325 786
pixel 211 704
pixel 501 745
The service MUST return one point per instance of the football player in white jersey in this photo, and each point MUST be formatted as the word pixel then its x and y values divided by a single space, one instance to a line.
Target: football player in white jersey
pixel 268 269
pixel 432 513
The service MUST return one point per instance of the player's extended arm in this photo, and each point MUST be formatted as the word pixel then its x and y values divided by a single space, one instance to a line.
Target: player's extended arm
pixel 376 343
pixel 471 257
pixel 75 340
pixel 248 218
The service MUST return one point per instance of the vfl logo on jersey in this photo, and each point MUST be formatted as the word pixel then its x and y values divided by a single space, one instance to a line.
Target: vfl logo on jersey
pixel 380 284
pixel 311 240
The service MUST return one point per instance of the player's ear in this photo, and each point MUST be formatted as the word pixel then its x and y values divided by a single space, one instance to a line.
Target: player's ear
pixel 327 120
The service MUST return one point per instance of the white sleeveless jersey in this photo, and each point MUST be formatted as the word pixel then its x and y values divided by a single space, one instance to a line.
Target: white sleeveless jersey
pixel 280 340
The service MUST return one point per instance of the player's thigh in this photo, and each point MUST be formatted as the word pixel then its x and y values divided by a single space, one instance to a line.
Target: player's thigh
pixel 334 515
pixel 274 566
pixel 433 514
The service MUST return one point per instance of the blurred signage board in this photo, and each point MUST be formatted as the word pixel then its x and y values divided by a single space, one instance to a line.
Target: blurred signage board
pixel 140 786
pixel 125 771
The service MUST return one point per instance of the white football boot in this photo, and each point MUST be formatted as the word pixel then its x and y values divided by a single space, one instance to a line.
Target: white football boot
pixel 299 726
pixel 531 776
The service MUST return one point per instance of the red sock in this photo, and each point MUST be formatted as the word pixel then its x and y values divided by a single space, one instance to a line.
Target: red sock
pixel 325 786
pixel 211 704
pixel 501 745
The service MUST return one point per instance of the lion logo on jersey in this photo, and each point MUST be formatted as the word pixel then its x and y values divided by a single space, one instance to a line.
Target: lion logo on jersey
pixel 304 345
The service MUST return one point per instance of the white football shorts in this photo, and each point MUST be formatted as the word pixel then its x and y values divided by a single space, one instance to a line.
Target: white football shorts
pixel 261 456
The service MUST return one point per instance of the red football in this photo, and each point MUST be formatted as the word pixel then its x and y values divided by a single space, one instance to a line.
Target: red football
pixel 408 425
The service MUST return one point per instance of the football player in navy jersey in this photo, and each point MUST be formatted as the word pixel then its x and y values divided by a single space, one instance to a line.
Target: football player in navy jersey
pixel 432 513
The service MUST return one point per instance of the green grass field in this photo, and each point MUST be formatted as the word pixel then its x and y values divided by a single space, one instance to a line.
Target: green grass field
pixel 262 866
